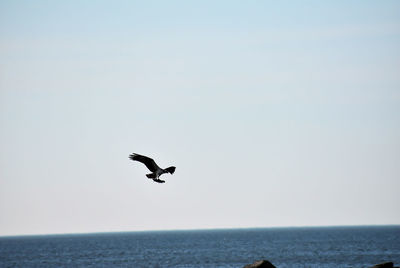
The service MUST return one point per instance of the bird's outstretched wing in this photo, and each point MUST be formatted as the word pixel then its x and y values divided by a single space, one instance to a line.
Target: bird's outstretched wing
pixel 150 164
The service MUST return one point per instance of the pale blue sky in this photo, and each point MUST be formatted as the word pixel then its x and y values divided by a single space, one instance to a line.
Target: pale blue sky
pixel 275 114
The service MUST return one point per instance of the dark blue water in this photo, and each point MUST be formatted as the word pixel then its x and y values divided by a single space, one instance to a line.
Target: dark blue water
pixel 284 247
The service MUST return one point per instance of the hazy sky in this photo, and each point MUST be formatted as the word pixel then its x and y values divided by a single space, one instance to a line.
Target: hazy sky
pixel 275 114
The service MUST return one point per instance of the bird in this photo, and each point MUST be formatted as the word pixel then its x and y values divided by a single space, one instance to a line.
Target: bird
pixel 152 166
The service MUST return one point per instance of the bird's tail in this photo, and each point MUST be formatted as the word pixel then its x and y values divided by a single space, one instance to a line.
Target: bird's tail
pixel 151 175
pixel 170 169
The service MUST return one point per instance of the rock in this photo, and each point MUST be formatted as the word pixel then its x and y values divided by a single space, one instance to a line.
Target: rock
pixel 261 264
pixel 384 265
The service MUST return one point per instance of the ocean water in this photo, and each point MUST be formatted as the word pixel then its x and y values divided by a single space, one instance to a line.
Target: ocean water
pixel 284 247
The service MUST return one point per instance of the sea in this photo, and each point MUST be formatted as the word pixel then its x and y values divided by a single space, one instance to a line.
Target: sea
pixel 355 246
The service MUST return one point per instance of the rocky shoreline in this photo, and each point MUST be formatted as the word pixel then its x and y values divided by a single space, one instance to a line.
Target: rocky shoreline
pixel 267 264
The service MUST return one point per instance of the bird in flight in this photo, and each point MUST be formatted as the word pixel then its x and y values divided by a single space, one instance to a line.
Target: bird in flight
pixel 152 166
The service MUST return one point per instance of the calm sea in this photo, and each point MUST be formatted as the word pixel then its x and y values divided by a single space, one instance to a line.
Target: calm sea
pixel 284 247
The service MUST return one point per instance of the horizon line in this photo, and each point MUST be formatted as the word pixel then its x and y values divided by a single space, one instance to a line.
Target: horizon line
pixel 199 229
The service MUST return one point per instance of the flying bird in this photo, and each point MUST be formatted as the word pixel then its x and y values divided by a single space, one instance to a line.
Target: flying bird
pixel 152 166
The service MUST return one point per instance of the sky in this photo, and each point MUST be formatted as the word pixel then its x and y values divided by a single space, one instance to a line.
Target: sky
pixel 274 113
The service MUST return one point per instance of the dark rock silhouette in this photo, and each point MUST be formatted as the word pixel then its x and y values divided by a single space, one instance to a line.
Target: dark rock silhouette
pixel 260 264
pixel 267 264
pixel 384 265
